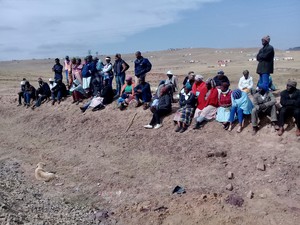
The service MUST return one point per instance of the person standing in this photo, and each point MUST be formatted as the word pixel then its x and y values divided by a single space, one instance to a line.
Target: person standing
pixel 67 68
pixel 265 67
pixel 57 69
pixel 141 66
pixel 120 66
pixel 108 70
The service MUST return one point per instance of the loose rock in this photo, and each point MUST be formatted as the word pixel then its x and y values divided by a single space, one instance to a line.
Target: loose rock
pixel 229 187
pixel 230 175
pixel 250 195
pixel 261 166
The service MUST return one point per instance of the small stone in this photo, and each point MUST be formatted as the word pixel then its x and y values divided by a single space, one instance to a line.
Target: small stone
pixel 261 166
pixel 230 175
pixel 203 196
pixel 250 195
pixel 262 196
pixel 59 184
pixel 270 181
pixel 229 187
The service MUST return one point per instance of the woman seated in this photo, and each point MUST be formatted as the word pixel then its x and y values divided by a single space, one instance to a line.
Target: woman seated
pixel 163 108
pixel 78 92
pixel 184 115
pixel 241 104
pixel 29 93
pixel 126 94
pixel 211 104
pixel 246 82
pixel 223 111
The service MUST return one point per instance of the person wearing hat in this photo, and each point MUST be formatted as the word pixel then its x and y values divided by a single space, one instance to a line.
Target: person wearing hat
pixel 172 80
pixel 221 78
pixel 42 93
pixel 184 115
pixel 290 101
pixel 199 89
pixel 246 82
pixel 223 111
pixel 126 93
pixel 265 67
pixel 21 92
pixel 141 66
pixel 241 105
pixel 108 70
pixel 57 69
pixel 263 104
pixel 211 104
pixel 120 67
pixel 67 68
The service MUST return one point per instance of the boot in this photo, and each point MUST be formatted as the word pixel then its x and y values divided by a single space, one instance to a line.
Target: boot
pixel 254 131
pixel 197 126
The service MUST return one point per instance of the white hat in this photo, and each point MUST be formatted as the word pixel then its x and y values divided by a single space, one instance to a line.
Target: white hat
pixel 51 80
pixel 199 77
pixel 23 82
pixel 169 72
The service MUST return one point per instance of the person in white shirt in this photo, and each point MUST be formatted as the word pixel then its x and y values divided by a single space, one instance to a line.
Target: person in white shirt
pixel 246 82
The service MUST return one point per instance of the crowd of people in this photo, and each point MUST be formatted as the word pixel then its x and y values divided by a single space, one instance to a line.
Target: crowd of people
pixel 198 99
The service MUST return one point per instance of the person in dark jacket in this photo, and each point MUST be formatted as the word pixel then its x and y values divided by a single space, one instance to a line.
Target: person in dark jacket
pixel 29 93
pixel 290 101
pixel 88 72
pixel 190 78
pixel 265 67
pixel 42 93
pixel 141 66
pixel 120 66
pixel 57 69
pixel 21 92
pixel 163 108
pixel 58 92
pixel 143 93
pixel 220 79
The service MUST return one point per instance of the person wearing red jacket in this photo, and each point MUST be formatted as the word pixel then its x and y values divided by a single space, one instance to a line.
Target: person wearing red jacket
pixel 199 89
pixel 211 103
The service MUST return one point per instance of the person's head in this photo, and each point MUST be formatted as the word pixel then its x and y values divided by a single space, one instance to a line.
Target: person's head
pixel 191 75
pixel 236 94
pixel 27 83
pixel 78 61
pixel 117 56
pixel 224 87
pixel 220 74
pixel 138 54
pixel 291 86
pixel 95 59
pixel 107 59
pixel 40 81
pixel 199 79
pixel 129 80
pixel 57 61
pixel 51 81
pixel 67 58
pixel 73 60
pixel 23 82
pixel 262 91
pixel 265 40
pixel 210 83
pixel 141 80
pixel 169 74
pixel 165 90
pixel 246 74
pixel 89 58
pixel 187 88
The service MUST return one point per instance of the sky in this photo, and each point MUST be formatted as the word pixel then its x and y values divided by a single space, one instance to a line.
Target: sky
pixel 55 28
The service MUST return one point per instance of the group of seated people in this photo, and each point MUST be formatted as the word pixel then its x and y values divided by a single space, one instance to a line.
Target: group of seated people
pixel 198 99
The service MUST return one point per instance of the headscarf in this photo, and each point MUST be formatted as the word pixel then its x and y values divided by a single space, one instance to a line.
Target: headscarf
pixel 292 83
pixel 211 82
pixel 267 38
pixel 236 94
pixel 199 77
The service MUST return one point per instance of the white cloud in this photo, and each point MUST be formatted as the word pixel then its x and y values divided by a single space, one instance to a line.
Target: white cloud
pixel 46 28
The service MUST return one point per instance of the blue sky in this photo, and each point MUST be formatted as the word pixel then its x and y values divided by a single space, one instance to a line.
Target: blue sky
pixel 54 28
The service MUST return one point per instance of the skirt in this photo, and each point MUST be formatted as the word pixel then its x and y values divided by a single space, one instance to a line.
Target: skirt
pixel 209 112
pixel 86 82
pixel 223 114
pixel 184 115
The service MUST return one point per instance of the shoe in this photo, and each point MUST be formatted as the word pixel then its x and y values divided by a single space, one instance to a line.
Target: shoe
pixel 74 102
pixel 77 103
pixel 183 129
pixel 138 104
pixel 145 106
pixel 225 126
pixel 280 131
pixel 157 126
pixel 230 128
pixel 178 129
pixel 197 126
pixel 148 126
pixel 82 109
pixel 254 131
pixel 33 107
pixel 276 127
pixel 298 132
pixel 58 101
pixel 53 102
pixel 19 104
pixel 239 130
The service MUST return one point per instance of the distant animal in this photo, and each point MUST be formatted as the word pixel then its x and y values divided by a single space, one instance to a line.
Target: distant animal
pixel 41 174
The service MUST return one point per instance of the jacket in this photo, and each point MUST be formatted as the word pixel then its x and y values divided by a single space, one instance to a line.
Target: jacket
pixel 190 102
pixel 44 89
pixel 165 102
pixel 200 90
pixel 265 58
pixel 222 80
pixel 141 66
pixel 107 94
pixel 267 102
pixel 213 98
pixel 293 100
pixel 243 102
pixel 58 68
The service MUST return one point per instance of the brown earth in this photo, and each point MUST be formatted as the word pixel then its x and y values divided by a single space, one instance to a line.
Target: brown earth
pixel 110 176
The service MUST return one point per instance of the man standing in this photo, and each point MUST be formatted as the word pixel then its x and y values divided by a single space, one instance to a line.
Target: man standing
pixel 141 66
pixel 265 67
pixel 290 101
pixel 120 66
pixel 264 104
pixel 67 66
pixel 57 69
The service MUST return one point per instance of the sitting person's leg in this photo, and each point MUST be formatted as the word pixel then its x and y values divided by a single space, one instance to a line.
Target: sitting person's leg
pixel 284 113
pixel 240 114
pixel 297 118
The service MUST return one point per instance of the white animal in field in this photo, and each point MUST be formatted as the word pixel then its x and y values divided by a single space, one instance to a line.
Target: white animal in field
pixel 41 174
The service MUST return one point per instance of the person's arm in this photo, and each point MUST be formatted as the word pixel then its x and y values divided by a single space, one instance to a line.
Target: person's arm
pixel 107 69
pixel 250 83
pixel 124 67
pixel 285 100
pixel 267 53
pixel 272 100
pixel 240 84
